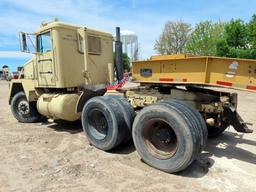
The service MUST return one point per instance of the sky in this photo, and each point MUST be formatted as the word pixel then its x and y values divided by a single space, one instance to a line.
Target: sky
pixel 145 17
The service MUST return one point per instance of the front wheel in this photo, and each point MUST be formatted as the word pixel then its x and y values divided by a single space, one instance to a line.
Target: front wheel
pixel 22 110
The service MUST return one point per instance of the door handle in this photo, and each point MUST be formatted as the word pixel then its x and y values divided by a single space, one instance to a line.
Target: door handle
pixel 45 72
pixel 40 60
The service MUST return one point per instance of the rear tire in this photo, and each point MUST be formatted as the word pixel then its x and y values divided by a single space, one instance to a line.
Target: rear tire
pixel 164 138
pixel 128 114
pixel 24 111
pixel 103 122
pixel 200 122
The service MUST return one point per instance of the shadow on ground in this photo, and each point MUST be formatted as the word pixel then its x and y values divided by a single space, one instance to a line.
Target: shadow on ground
pixel 199 167
pixel 64 126
pixel 223 146
pixel 125 148
pixel 226 146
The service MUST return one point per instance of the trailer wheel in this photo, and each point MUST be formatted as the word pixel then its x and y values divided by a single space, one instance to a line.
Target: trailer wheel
pixel 102 122
pixel 164 138
pixel 22 110
pixel 214 132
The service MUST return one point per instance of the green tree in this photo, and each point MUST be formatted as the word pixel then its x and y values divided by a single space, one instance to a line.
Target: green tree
pixel 126 61
pixel 205 37
pixel 236 34
pixel 252 31
pixel 222 48
pixel 173 38
pixel 240 40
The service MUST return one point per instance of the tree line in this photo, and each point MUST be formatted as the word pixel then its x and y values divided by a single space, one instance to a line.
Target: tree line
pixel 235 38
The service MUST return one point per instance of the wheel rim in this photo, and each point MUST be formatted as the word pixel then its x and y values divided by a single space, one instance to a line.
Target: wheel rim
pixel 23 108
pixel 98 124
pixel 159 138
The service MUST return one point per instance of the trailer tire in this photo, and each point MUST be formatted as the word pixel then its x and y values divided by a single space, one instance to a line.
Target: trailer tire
pixel 164 138
pixel 102 123
pixel 22 110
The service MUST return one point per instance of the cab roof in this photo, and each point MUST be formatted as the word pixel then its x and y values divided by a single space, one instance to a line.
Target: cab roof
pixel 58 24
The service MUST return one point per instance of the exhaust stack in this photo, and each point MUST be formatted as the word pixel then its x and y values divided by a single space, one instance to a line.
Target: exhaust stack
pixel 118 56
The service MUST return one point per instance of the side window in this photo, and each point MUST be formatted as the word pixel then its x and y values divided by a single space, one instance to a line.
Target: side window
pixel 44 42
pixel 94 45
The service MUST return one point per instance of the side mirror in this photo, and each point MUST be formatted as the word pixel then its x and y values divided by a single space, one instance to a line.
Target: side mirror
pixel 23 42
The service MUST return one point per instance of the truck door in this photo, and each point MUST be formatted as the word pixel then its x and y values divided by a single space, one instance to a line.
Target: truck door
pixel 45 60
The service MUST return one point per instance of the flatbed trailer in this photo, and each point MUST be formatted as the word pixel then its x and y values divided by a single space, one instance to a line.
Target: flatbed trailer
pixel 191 79
pixel 197 70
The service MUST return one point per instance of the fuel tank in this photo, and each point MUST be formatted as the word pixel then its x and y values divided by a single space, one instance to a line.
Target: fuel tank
pixel 58 106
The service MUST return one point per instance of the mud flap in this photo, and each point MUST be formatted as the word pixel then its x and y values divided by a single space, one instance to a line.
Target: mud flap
pixel 236 121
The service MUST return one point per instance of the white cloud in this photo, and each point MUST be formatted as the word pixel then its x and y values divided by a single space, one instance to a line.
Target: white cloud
pixel 14 54
pixel 139 16
pixel 90 13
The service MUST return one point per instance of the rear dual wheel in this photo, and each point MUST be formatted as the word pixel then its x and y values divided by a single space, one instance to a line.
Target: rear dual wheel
pixel 195 117
pixel 168 135
pixel 107 121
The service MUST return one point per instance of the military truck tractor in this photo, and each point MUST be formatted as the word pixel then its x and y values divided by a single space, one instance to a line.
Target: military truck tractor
pixel 168 111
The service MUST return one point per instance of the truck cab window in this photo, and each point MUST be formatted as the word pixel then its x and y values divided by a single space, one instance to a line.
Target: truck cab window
pixel 94 45
pixel 44 43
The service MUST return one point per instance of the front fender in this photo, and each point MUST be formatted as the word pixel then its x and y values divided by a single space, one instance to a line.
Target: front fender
pixel 25 85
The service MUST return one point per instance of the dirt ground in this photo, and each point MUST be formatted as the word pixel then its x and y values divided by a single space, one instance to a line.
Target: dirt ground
pixel 57 157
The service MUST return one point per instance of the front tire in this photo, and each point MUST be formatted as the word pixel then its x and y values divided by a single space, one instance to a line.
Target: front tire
pixel 22 110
